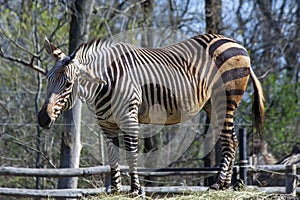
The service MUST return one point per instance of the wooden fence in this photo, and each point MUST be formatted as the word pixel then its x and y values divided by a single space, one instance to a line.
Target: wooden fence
pixel 290 188
pixel 241 171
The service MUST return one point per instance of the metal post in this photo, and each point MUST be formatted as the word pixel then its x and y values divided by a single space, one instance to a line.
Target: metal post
pixel 235 173
pixel 290 179
pixel 107 182
pixel 243 154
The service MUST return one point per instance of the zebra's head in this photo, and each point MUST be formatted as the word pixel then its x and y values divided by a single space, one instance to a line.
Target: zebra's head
pixel 62 86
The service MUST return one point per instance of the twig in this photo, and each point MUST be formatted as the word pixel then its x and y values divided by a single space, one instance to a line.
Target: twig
pixel 18 142
pixel 124 12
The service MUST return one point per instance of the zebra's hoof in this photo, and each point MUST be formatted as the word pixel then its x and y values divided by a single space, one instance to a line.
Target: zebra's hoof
pixel 134 194
pixel 142 193
pixel 239 186
pixel 219 186
pixel 214 186
pixel 138 193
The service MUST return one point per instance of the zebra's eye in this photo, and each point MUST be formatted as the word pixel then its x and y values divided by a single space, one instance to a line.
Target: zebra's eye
pixel 68 84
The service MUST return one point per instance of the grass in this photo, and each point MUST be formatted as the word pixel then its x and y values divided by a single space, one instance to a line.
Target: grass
pixel 209 195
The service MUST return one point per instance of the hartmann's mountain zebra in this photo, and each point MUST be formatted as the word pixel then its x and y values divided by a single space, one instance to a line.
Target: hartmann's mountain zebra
pixel 122 84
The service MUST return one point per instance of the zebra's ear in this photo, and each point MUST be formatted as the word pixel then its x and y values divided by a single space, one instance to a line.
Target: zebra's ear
pixel 89 76
pixel 53 51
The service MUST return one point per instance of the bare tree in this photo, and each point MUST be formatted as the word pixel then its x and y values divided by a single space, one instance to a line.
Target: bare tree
pixel 213 16
pixel 71 145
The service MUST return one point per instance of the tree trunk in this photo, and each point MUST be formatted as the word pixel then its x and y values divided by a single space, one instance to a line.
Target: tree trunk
pixel 152 143
pixel 71 146
pixel 292 51
pixel 213 14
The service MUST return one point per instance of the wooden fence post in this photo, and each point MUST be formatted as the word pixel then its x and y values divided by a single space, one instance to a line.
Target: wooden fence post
pixel 243 154
pixel 290 179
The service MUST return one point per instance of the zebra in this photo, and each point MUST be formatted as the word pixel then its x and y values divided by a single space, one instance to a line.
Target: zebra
pixel 121 83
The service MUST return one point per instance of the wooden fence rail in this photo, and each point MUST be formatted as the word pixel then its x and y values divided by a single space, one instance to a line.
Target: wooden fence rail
pixel 88 171
pixel 40 172
pixel 290 173
pixel 82 172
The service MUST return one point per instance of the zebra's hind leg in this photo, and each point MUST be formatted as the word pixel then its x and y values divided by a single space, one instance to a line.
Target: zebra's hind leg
pixel 112 143
pixel 229 144
pixel 230 168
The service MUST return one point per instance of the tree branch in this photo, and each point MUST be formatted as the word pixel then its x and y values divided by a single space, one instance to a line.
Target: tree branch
pixel 13 59
pixel 17 45
pixel 27 64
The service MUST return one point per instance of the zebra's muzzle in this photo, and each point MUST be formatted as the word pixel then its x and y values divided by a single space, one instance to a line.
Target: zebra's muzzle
pixel 44 119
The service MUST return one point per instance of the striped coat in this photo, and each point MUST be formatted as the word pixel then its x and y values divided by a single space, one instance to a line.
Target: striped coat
pixel 125 85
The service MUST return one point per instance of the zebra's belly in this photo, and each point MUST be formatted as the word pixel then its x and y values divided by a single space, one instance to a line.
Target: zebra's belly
pixel 159 114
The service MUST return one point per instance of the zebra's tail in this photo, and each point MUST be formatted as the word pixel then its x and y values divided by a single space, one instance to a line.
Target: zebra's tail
pixel 258 103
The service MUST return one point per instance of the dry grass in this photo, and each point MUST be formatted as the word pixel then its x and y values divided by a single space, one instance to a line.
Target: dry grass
pixel 210 195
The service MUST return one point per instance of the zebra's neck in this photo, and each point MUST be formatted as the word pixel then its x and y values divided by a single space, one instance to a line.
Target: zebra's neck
pixel 91 58
pixel 91 61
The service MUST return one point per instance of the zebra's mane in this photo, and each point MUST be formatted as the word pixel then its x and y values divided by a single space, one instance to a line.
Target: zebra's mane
pixel 95 44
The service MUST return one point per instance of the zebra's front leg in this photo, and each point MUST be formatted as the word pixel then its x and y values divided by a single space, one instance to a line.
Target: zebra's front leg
pixel 131 144
pixel 112 143
pixel 229 144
